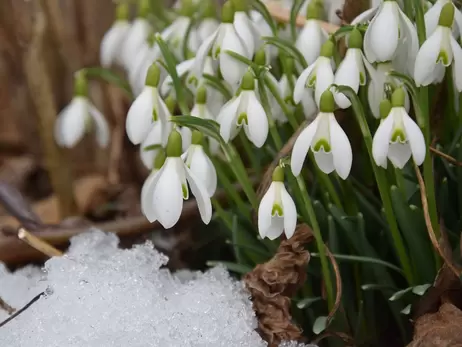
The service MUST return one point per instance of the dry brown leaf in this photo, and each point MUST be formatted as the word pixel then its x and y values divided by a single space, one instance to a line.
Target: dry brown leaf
pixel 440 329
pixel 273 284
pixel 353 8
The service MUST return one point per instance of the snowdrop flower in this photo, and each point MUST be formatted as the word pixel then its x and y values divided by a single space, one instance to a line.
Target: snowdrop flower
pixel 329 143
pixel 136 36
pixel 111 44
pixel 351 71
pixel 432 17
pixel 244 110
pixel 148 108
pixel 376 92
pixel 322 67
pixel 439 51
pixel 164 191
pixel 209 24
pixel 398 136
pixel 79 117
pixel 263 29
pixel 277 212
pixel 224 39
pixel 390 33
pixel 201 110
pixel 245 27
pixel 200 164
pixel 312 36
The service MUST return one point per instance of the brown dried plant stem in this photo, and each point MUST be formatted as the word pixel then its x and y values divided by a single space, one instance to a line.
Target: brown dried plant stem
pixel 40 86
pixel 38 244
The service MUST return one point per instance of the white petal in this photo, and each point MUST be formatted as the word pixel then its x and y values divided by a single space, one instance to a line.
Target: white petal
pixel 202 54
pixel 164 117
pixel 202 167
pixel 264 211
pixel 365 16
pixel 112 43
pixel 410 41
pixel 325 161
pixel 135 37
pixel 227 118
pixel 302 80
pixel 139 117
pixel 290 213
pixel 153 138
pixel 348 75
pixel 186 138
pixel 276 228
pixel 242 25
pixel 102 128
pixel 202 197
pixel 384 33
pixel 324 78
pixel 381 141
pixel 310 40
pixel 341 148
pixel 432 17
pixel 168 194
pixel 310 108
pixel 70 126
pixel 257 121
pixel 399 154
pixel 147 206
pixel 415 138
pixel 231 69
pixel 302 145
pixel 206 28
pixel 457 64
pixel 181 69
pixel 426 59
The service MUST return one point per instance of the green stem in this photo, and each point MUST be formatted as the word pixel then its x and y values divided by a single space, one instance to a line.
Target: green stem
pixel 250 152
pixel 222 213
pixel 319 242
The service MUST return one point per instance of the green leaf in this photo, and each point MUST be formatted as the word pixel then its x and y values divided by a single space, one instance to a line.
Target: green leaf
pixel 152 147
pixel 208 126
pixel 217 84
pixel 237 268
pixel 307 302
pixel 260 7
pixel 255 67
pixel 320 325
pixel 185 48
pixel 287 47
pixel 294 11
pixel 399 294
pixel 110 77
pixel 346 29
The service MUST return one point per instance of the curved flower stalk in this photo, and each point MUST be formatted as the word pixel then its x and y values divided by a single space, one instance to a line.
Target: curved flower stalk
pixel 224 39
pixel 398 136
pixel 439 51
pixel 379 80
pixel 164 191
pixel 277 212
pixel 322 67
pixel 200 164
pixel 201 110
pixel 147 109
pixel 78 118
pixel 390 34
pixel 312 36
pixel 245 111
pixel 329 143
pixel 352 71
pixel 113 39
pixel 136 36
pixel 432 17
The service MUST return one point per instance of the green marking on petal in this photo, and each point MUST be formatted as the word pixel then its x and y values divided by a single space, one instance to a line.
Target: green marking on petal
pixel 192 80
pixel 311 81
pixel 362 78
pixel 443 58
pixel 242 119
pixel 289 100
pixel 185 190
pixel 322 144
pixel 277 210
pixel 398 135
pixel 155 115
pixel 216 52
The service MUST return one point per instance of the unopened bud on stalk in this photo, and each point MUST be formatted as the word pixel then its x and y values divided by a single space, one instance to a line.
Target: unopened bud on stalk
pixel 174 144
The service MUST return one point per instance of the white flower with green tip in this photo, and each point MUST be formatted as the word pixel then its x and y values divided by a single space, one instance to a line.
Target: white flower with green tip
pixel 432 17
pixel 164 191
pixel 439 51
pixel 398 136
pixel 329 143
pixel 79 117
pixel 277 212
pixel 245 28
pixel 244 111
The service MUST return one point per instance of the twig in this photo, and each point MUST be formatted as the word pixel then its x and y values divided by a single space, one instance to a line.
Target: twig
pixel 4 306
pixel 282 15
pixel 38 244
pixel 450 159
pixel 17 313
pixel 431 232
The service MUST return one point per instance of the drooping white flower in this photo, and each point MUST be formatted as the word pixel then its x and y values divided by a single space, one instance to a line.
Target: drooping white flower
pixel 439 51
pixel 208 25
pixel 318 75
pixel 245 27
pixel 164 191
pixel 312 36
pixel 277 212
pixel 79 117
pixel 113 39
pixel 200 164
pixel 136 37
pixel 351 71
pixel 398 137
pixel 224 39
pixel 390 33
pixel 432 17
pixel 147 109
pixel 329 143
pixel 377 91
pixel 244 111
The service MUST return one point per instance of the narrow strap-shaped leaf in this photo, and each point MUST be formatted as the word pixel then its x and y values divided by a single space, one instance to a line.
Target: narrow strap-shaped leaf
pixel 288 47
pixel 110 77
pixel 217 84
pixel 260 7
